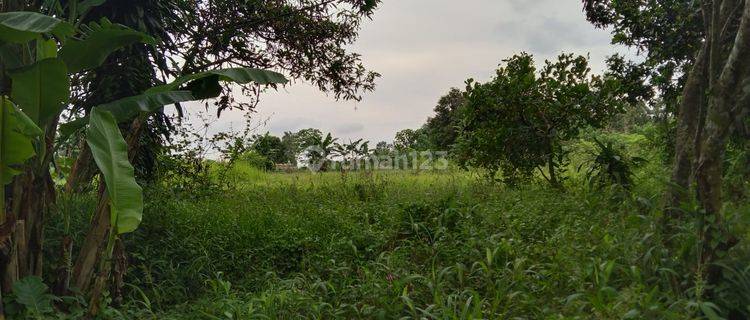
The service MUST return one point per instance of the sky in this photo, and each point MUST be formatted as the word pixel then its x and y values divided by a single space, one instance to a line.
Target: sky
pixel 423 48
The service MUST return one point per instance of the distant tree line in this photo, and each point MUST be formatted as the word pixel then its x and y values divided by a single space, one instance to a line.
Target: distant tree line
pixel 310 148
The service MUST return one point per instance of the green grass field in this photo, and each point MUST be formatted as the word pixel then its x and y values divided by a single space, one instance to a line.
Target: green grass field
pixel 385 245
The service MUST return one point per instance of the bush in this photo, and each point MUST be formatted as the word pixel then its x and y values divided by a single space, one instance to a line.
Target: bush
pixel 611 166
pixel 257 160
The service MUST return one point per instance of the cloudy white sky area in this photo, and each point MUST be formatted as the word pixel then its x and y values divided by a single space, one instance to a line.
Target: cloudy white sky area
pixel 422 48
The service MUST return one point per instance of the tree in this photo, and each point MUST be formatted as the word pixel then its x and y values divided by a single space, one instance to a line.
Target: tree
pixel 124 73
pixel 517 122
pixel 308 137
pixel 296 142
pixel 270 147
pixel 383 148
pixel 670 35
pixel 409 139
pixel 291 147
pixel 667 33
pixel 305 39
pixel 441 129
pixel 711 39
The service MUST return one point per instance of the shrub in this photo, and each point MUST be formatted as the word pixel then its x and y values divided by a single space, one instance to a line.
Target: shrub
pixel 257 160
pixel 611 166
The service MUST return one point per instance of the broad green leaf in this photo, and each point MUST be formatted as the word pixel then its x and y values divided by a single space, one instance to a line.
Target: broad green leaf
pixel 42 89
pixel 709 310
pixel 46 49
pixel 69 128
pixel 32 293
pixel 22 26
pixel 88 4
pixel 204 85
pixel 16 144
pixel 99 42
pixel 128 108
pixel 23 124
pixel 157 97
pixel 10 54
pixel 110 153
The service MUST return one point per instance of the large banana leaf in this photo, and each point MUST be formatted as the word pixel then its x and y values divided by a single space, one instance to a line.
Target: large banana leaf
pixel 128 108
pixel 101 40
pixel 21 27
pixel 42 89
pixel 16 139
pixel 9 54
pixel 204 85
pixel 46 49
pixel 110 153
pixel 86 5
pixel 155 98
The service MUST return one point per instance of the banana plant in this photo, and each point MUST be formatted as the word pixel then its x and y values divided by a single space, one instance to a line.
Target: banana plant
pixel 38 53
pixel 319 150
pixel 353 150
pixel 17 132
pixel 42 88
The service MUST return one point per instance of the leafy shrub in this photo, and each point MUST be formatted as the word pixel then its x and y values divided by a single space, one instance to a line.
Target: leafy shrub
pixel 611 166
pixel 737 175
pixel 661 136
pixel 257 160
pixel 733 294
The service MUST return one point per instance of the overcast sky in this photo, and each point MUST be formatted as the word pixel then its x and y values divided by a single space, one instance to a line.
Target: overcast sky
pixel 422 48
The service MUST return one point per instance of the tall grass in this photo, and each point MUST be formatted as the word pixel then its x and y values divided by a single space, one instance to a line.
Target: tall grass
pixel 434 245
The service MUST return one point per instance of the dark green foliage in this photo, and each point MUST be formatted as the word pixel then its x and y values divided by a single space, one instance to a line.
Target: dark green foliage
pixel 257 160
pixel 442 128
pixel 270 147
pixel 631 77
pixel 735 291
pixel 517 123
pixel 303 39
pixel 667 33
pixel 409 139
pixel 737 172
pixel 646 26
pixel 98 41
pixel 295 143
pixel 661 136
pixel 352 152
pixel 34 297
pixel 611 166
pixel 308 137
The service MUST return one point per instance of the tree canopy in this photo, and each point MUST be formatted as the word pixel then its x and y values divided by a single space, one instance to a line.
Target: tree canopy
pixel 517 122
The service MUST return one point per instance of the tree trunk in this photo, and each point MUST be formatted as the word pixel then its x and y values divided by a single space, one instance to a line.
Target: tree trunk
pixel 92 251
pixel 726 75
pixel 88 256
pixel 82 172
pixel 693 101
